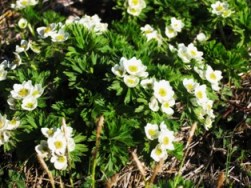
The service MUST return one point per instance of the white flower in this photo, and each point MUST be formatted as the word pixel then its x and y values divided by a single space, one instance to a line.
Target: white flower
pixel 166 139
pixel 131 81
pixel 152 131
pixel 150 34
pixel 208 123
pixel 215 87
pixel 50 132
pixel 20 91
pixel 70 144
pixel 219 7
pixel 119 70
pixel 29 103
pixel 11 102
pixel 193 53
pixel 213 76
pixel 162 90
pixel 42 149
pixel 60 36
pixel 92 23
pixel 226 13
pixel 135 7
pixel 153 104
pixel 166 106
pixel 147 83
pixel 57 144
pixel 190 85
pixel 21 4
pixel 200 71
pixel 13 124
pixel 16 62
pixel 3 73
pixel 47 31
pixel 158 153
pixel 22 23
pixel 37 91
pixel 200 93
pixel 170 32
pixel 4 137
pixel 35 47
pixel 201 37
pixel 60 162
pixel 24 46
pixel 176 24
pixel 3 123
pixel 135 67
pixel 182 53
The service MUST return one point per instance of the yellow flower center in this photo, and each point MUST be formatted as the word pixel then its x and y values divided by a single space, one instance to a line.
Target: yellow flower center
pixel 166 141
pixel 158 151
pixel 60 37
pixel 58 144
pixel 35 93
pixel 1 124
pixel 166 105
pixel 133 68
pixel 130 81
pixel 24 2
pixel 152 132
pixel 200 94
pixel 23 92
pixel 162 92
pixel 29 105
pixel 219 8
pixel 61 159
pixel 135 2
pixel 190 87
pixel 213 76
pixel 193 53
pixel 47 30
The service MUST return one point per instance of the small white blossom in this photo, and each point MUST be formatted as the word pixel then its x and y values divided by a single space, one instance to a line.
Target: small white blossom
pixel 3 72
pixel 60 36
pixel 57 144
pixel 135 67
pixel 24 46
pixel 147 83
pixel 59 161
pixel 152 131
pixel 213 76
pixel 166 139
pixel 20 91
pixel 13 124
pixel 170 32
pixel 42 149
pixel 153 104
pixel 190 85
pixel 22 23
pixel 200 93
pixel 176 24
pixel 162 90
pixel 47 31
pixel 201 37
pixel 3 123
pixel 193 53
pixel 29 103
pixel 167 105
pixel 135 7
pixel 159 153
pixel 131 81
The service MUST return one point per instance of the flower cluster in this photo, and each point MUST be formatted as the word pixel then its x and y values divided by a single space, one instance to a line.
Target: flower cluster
pixel 57 146
pixel 174 28
pixel 90 22
pixel 221 9
pixel 131 70
pixel 162 93
pixel 205 112
pixel 6 126
pixel 165 138
pixel 25 46
pixel 135 7
pixel 21 4
pixel 27 93
pixel 150 33
pixel 187 53
pixel 53 30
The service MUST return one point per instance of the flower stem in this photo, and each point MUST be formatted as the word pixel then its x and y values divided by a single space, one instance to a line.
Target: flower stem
pixel 100 124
